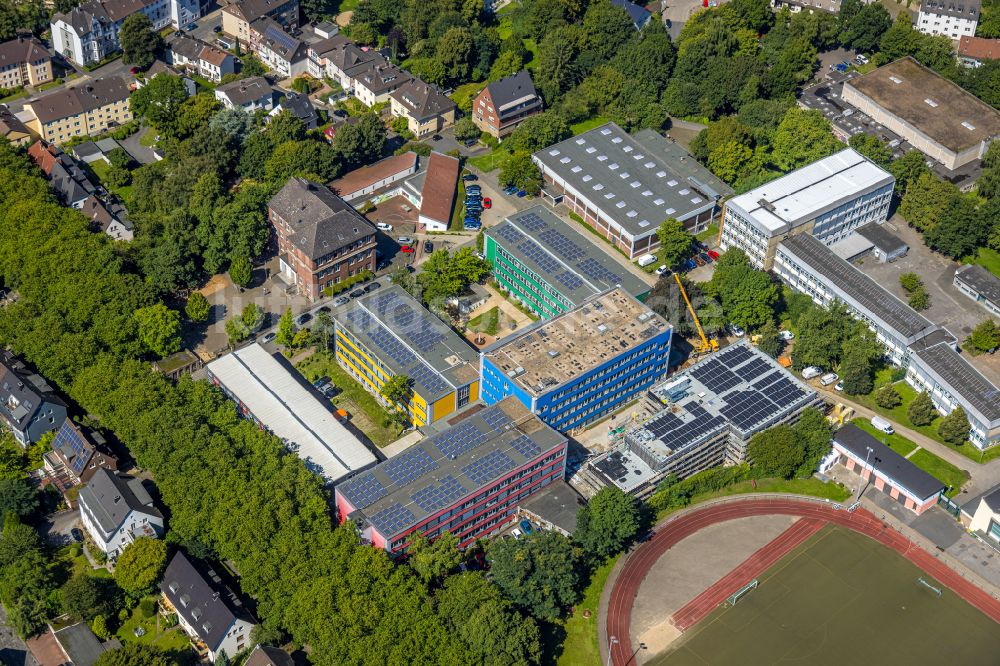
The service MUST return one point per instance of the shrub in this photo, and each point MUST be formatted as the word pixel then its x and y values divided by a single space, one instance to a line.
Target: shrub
pixel 888 397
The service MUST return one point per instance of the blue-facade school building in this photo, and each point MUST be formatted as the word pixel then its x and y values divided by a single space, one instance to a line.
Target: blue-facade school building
pixel 582 365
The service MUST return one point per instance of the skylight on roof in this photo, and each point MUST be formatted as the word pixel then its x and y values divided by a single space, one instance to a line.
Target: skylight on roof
pixel 658 202
pixel 602 158
pixel 643 223
pixel 931 103
pixel 587 178
pixel 647 193
pixel 581 141
pixel 605 131
pixel 620 204
pixel 632 213
pixel 609 195
pixel 672 183
pixel 967 125
pixel 577 169
pixel 635 184
pixel 670 211
pixel 661 174
pixel 627 149
pixel 684 191
pixel 591 149
pixel 613 166
pixel 617 139
pixel 649 165
pixel 564 160
pixel 695 200
pixel 598 187
pixel 895 79
pixel 554 152
pixel 638 156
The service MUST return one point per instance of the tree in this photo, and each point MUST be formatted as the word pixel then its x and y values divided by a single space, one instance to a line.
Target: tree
pixel 608 523
pixel 675 242
pixel 907 169
pixel 888 397
pixel 466 130
pixel 433 560
pixel 236 330
pixel 962 227
pixel 519 171
pixel 445 275
pixel 85 598
pixel 815 434
pixel 731 161
pixel 748 296
pixel 770 343
pixel 17 497
pixel 856 372
pixel 159 329
pixel 863 28
pixel 954 428
pixel 99 625
pixel 507 64
pixel 802 137
pixel 160 100
pixel 398 390
pixel 139 41
pixel 606 28
pixel 921 411
pixel 536 572
pixel 454 50
pixel 197 307
pixel 241 271
pixel 919 299
pixel 910 282
pixel 558 70
pixel 985 337
pixel 286 329
pixel 776 452
pixel 537 132
pixel 140 564
pixel 134 654
pixel 362 142
pixel 872 147
pixel 926 199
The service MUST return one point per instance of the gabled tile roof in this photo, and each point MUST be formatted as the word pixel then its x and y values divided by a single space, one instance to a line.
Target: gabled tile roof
pixel 422 100
pixel 320 221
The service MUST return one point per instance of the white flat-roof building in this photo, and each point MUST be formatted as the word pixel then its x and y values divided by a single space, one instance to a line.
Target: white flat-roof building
pixel 829 199
pixel 273 397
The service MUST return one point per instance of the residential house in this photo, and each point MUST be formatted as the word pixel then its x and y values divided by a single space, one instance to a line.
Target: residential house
pixel 375 82
pixel 76 456
pixel 505 104
pixel 199 57
pixel 237 15
pixel 973 51
pixel 322 240
pixel 70 183
pixel 248 94
pixel 83 110
pixel 427 110
pixel 339 59
pixel 159 67
pixel 298 105
pixel 116 510
pixel 265 655
pixel 88 33
pixel 29 407
pixel 15 131
pixel 108 217
pixel 210 613
pixel 24 62
pixel 277 49
pixel 640 15
pixel 951 18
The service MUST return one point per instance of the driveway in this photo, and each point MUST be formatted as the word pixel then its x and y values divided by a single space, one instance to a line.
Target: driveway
pixel 133 146
pixel 56 527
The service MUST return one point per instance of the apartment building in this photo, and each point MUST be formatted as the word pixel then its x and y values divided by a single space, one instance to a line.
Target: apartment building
pixel 24 62
pixel 199 57
pixel 426 108
pixel 827 199
pixel 581 365
pixel 238 15
pixel 281 52
pixel 115 510
pixel 503 105
pixel 468 479
pixel 84 110
pixel 951 18
pixel 322 240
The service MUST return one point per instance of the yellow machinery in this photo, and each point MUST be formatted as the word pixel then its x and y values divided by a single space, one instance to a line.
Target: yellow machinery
pixel 706 345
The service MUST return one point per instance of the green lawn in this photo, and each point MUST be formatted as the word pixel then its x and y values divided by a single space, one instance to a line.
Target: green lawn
pixel 940 469
pixel 148 139
pixel 811 486
pixel 489 161
pixel 989 259
pixel 465 93
pixel 348 5
pixel 100 169
pixel 580 645
pixel 77 563
pixel 896 442
pixel 708 234
pixel 323 364
pixel 589 124
pixel 170 640
pixel 489 321
pixel 533 50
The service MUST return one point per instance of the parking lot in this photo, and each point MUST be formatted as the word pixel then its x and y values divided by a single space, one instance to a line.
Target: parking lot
pixel 949 307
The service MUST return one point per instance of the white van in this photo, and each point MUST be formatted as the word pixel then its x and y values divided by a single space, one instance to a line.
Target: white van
pixel 882 425
pixel 828 379
pixel 646 260
pixel 811 371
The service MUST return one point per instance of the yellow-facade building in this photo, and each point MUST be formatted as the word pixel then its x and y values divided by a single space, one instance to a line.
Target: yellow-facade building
pixel 84 110
pixel 389 333
pixel 24 62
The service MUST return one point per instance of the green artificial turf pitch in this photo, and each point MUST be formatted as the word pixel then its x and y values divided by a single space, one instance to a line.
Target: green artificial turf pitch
pixel 841 598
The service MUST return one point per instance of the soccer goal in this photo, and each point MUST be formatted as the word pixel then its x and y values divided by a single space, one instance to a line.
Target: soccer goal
pixel 743 591
pixel 935 590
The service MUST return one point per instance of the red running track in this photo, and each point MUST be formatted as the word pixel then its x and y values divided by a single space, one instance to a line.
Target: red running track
pixel 637 566
pixel 770 554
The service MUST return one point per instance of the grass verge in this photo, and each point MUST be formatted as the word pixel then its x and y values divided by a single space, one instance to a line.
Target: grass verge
pixel 987 258
pixel 708 234
pixel 323 364
pixel 457 222
pixel 940 469
pixel 589 124
pixel 896 442
pixel 580 644
pixel 486 322
pixel 490 160
pixel 168 639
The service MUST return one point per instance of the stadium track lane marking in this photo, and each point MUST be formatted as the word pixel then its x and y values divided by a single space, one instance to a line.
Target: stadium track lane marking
pixel 639 563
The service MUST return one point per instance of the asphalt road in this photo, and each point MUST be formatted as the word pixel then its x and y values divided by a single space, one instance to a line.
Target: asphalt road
pixel 13 651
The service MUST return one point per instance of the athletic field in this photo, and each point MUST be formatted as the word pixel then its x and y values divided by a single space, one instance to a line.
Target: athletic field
pixel 838 599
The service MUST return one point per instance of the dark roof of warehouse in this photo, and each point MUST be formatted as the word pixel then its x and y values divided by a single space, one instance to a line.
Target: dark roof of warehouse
pixel 882 238
pixel 888 462
pixel 869 294
pixel 962 379
pixel 981 280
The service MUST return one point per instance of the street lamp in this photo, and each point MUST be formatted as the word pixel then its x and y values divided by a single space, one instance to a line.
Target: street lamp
pixel 612 641
pixel 642 646
pixel 863 480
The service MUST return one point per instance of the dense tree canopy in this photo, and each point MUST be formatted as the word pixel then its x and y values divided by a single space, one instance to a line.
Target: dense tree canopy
pixel 537 572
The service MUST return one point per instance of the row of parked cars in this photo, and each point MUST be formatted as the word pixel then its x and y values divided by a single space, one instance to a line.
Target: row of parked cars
pixel 474 203
pixel 306 317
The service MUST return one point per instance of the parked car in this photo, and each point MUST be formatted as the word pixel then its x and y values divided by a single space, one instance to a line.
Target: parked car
pixel 371 286
pixel 521 193
pixel 663 270
pixel 786 335
pixel 487 203
pixel 268 337
pixel 303 319
pixel 357 293
pixel 473 189
pixel 329 390
pixel 325 308
pixel 470 176
pixel 406 249
pixel 689 265
pixel 76 534
pixel 321 381
pixel 526 526
pixel 828 378
pixel 882 425
pixel 861 59
pixel 436 137
pixel 468 143
pixel 737 331
pixel 811 371
pixel 698 260
pixel 404 240
pixel 704 257
pixel 516 533
pixel 839 386
pixel 428 246
pixel 510 189
pixel 383 226
pixel 714 255
pixel 342 300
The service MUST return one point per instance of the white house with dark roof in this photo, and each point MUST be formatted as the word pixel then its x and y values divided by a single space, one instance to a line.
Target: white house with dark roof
pixel 28 406
pixel 200 57
pixel 951 18
pixel 116 510
pixel 298 105
pixel 248 94
pixel 211 614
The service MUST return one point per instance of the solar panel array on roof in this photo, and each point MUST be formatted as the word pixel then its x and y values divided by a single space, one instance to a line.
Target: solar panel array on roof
pixel 69 440
pixel 363 490
pixel 437 495
pixel 495 418
pixel 531 222
pixel 716 377
pixel 561 245
pixel 460 439
pixel 596 271
pixel 747 408
pixel 532 251
pixel 569 279
pixel 753 369
pixel 488 467
pixel 409 466
pixel 392 519
pixel 525 446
